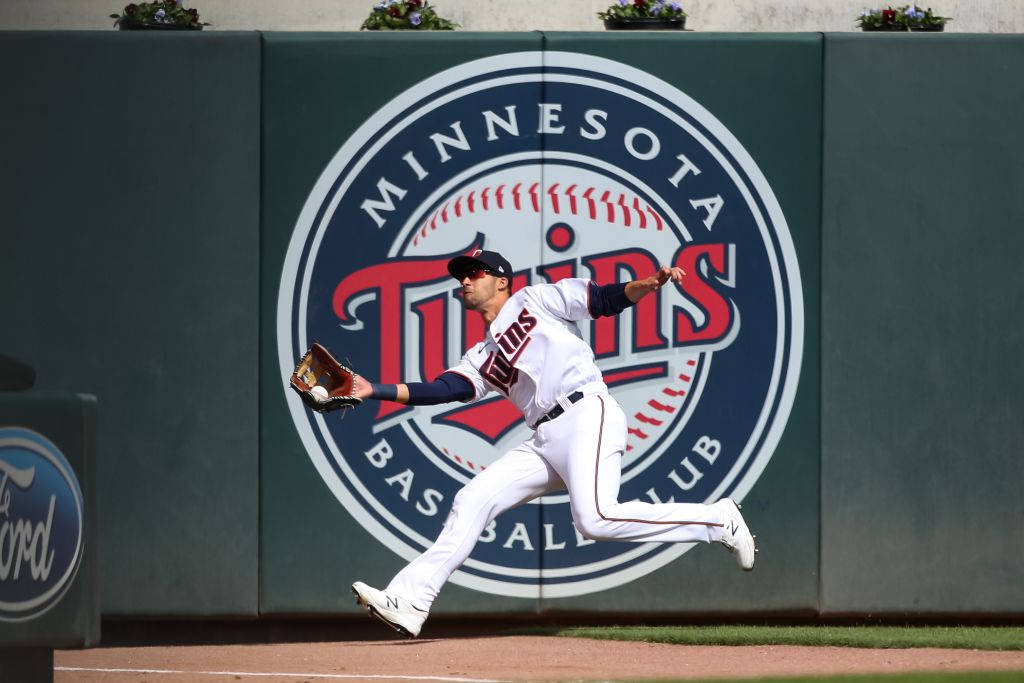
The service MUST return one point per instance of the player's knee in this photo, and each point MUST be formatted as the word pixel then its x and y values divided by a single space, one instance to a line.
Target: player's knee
pixel 468 501
pixel 591 526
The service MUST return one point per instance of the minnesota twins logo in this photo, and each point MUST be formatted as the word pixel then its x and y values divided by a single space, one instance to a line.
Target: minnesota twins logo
pixel 582 168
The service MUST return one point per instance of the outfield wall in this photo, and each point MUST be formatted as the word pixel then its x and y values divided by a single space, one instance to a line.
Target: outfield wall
pixel 130 270
pixel 921 410
pixel 153 183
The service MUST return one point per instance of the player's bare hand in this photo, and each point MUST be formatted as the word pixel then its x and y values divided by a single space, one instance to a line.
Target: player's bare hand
pixel 638 289
pixel 666 273
pixel 361 388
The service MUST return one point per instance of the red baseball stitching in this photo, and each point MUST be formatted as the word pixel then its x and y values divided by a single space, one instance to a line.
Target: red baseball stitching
pixel 461 461
pixel 622 209
pixel 661 407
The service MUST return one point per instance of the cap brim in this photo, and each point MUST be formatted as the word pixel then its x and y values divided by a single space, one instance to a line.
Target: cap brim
pixel 461 264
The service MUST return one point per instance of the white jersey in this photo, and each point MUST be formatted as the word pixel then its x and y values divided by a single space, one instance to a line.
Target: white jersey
pixel 533 352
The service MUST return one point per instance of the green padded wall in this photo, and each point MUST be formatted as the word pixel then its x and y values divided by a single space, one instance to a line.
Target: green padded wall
pixel 922 296
pixel 137 266
pixel 129 270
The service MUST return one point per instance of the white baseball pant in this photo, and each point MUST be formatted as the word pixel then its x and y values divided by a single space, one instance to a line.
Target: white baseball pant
pixel 580 452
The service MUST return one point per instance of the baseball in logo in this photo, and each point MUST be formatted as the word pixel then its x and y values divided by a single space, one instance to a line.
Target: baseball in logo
pixel 570 166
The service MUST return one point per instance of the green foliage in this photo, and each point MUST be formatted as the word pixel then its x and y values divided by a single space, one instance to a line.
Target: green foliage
pixel 919 18
pixel 888 18
pixel 910 16
pixel 643 9
pixel 962 637
pixel 167 12
pixel 406 15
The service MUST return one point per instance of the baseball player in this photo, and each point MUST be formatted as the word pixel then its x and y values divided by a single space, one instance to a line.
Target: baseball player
pixel 533 354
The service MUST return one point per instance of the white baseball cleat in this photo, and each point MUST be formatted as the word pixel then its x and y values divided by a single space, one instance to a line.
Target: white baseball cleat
pixel 394 611
pixel 736 536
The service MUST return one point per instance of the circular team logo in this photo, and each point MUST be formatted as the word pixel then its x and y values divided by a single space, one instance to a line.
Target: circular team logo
pixel 41 524
pixel 577 167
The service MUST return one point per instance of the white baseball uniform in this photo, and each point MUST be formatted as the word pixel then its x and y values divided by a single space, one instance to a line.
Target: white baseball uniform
pixel 534 354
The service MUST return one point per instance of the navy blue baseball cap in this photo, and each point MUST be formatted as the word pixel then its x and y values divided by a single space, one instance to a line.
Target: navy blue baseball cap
pixel 491 261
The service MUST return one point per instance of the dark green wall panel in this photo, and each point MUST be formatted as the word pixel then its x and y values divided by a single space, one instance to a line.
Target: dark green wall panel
pixel 922 298
pixel 129 270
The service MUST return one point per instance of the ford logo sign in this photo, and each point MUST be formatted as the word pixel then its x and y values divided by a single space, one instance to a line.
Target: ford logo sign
pixel 41 524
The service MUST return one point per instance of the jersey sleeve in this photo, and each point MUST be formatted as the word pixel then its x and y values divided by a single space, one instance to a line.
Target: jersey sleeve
pixel 608 300
pixel 448 387
pixel 469 369
pixel 568 299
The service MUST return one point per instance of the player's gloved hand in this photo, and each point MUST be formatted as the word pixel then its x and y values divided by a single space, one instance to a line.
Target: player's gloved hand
pixel 322 382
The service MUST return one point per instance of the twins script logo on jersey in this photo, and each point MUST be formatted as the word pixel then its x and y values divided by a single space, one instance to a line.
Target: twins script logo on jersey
pixel 583 168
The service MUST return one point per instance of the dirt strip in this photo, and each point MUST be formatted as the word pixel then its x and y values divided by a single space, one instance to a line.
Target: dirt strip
pixel 509 658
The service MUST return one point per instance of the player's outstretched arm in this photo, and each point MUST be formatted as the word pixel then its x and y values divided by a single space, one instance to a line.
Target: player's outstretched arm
pixel 638 289
pixel 446 388
pixel 608 300
pixel 365 389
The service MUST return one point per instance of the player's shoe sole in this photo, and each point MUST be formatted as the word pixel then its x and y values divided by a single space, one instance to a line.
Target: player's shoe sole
pixel 737 538
pixel 390 610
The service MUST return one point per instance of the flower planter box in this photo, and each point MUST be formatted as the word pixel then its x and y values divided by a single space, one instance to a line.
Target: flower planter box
pixel 894 27
pixel 928 29
pixel 131 25
pixel 645 24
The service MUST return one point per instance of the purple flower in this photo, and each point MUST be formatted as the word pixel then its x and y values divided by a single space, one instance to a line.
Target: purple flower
pixel 623 3
pixel 675 6
pixel 160 15
pixel 414 18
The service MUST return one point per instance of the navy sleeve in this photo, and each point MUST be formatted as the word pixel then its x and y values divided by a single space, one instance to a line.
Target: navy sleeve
pixel 608 300
pixel 446 388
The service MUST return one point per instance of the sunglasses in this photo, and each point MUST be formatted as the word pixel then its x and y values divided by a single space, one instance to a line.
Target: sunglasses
pixel 477 273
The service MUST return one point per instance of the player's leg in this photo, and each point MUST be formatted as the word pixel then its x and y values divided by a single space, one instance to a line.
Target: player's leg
pixel 518 476
pixel 586 451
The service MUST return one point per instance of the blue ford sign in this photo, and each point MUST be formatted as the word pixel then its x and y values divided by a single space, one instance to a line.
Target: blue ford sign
pixel 41 524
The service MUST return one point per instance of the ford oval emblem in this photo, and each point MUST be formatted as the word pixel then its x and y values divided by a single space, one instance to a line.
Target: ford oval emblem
pixel 41 524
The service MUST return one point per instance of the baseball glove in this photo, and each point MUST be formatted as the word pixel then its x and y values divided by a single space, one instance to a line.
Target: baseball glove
pixel 323 383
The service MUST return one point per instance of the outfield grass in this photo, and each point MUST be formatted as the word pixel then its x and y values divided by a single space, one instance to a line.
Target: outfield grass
pixel 950 677
pixel 961 637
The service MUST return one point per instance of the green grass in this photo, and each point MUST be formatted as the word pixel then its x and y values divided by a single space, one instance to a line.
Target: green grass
pixel 961 637
pixel 946 677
